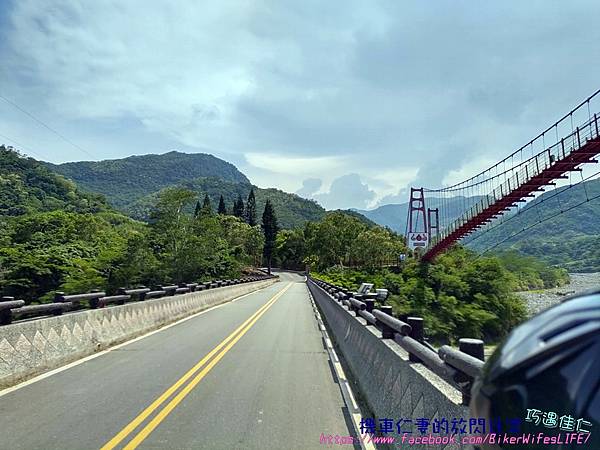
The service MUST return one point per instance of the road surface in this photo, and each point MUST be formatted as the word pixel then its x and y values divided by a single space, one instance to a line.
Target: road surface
pixel 197 384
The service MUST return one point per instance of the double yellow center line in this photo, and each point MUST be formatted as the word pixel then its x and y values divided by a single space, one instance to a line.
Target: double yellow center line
pixel 198 372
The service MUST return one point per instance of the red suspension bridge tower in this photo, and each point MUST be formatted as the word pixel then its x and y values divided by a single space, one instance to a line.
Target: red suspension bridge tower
pixel 417 236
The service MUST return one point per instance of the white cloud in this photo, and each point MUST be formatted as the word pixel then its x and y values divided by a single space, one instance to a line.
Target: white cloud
pixel 466 171
pixel 347 191
pixel 294 165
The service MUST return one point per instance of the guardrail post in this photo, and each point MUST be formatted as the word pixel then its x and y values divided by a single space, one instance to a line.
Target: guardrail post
pixel 347 304
pixel 370 304
pixel 94 302
pixel 59 297
pixel 352 308
pixel 416 332
pixel 474 348
pixel 386 331
pixel 121 291
pixel 6 314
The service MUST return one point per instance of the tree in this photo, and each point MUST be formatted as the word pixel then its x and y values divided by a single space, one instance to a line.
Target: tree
pixel 198 209
pixel 238 207
pixel 245 242
pixel 332 238
pixel 374 247
pixel 251 209
pixel 290 249
pixel 171 230
pixel 61 250
pixel 222 208
pixel 270 229
pixel 206 206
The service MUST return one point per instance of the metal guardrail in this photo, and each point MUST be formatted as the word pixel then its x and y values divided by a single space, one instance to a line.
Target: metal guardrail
pixel 457 367
pixel 11 309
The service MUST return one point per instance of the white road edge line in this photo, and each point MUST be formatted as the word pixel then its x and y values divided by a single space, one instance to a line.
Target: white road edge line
pixel 345 388
pixel 116 347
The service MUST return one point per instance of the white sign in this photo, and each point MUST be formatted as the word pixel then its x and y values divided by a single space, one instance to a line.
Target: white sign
pixel 417 240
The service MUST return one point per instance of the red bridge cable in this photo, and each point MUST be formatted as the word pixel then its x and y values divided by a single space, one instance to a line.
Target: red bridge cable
pixel 541 135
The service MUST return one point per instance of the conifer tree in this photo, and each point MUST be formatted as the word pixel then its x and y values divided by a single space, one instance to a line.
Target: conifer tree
pixel 238 207
pixel 206 206
pixel 222 208
pixel 198 209
pixel 251 209
pixel 270 229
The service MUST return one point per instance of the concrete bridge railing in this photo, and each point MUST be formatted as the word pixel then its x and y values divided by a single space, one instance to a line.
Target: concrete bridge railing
pixel 31 347
pixel 11 309
pixel 399 375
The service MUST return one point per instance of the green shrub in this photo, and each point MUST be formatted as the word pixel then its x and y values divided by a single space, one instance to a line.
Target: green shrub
pixel 459 295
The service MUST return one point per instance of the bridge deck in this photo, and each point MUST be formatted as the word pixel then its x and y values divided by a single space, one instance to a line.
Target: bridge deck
pixel 272 389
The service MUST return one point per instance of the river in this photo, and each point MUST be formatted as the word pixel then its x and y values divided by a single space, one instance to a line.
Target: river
pixel 537 301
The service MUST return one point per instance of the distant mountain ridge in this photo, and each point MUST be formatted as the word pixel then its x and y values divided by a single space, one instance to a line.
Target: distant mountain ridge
pixel 292 210
pixel 125 180
pixel 132 184
pixel 394 215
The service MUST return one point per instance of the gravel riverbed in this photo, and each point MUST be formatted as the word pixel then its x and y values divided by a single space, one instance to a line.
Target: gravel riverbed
pixel 537 301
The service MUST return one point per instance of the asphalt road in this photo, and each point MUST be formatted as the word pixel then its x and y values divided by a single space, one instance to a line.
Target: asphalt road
pixel 270 386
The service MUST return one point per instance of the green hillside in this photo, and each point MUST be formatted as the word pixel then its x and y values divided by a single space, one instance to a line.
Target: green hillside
pixel 27 186
pixel 292 210
pixel 54 238
pixel 133 184
pixel 124 181
pixel 570 240
pixel 364 219
pixel 51 234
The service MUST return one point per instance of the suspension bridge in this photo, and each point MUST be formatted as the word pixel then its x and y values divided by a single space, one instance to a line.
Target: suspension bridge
pixel 563 148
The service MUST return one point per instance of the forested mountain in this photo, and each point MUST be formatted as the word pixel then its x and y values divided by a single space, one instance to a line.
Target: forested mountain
pixel 51 234
pixel 133 184
pixel 124 181
pixel 392 216
pixel 55 238
pixel 27 186
pixel 354 213
pixel 292 210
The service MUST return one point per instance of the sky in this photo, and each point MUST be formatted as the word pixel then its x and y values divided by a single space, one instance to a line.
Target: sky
pixel 347 102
